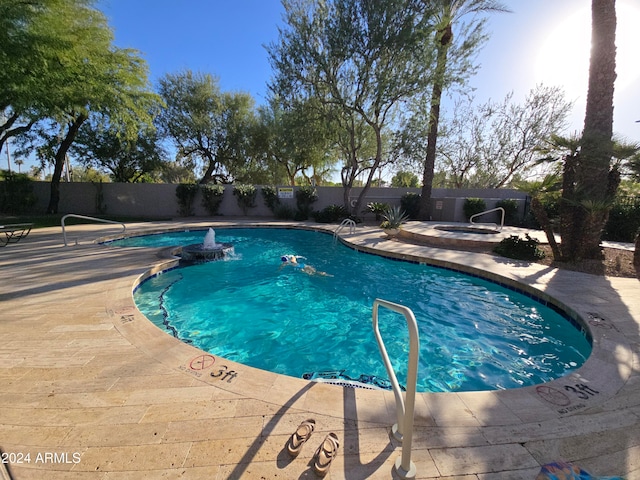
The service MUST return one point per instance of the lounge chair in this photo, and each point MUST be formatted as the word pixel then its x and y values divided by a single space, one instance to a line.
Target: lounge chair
pixel 14 232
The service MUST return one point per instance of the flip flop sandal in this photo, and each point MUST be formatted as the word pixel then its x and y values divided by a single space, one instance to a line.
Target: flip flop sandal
pixel 300 436
pixel 325 454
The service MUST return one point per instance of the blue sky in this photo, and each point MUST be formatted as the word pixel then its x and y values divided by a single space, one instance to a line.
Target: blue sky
pixel 221 37
pixel 540 41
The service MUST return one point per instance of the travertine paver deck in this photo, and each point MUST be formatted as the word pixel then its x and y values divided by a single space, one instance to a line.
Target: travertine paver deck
pixel 91 390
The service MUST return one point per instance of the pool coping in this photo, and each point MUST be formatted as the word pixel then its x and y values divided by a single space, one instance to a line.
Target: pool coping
pixel 596 372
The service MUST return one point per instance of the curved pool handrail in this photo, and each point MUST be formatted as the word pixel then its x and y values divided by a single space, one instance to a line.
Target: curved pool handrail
pixel 347 222
pixel 64 232
pixel 499 227
pixel 403 430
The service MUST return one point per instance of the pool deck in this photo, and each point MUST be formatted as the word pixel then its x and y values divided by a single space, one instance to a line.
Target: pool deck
pixel 92 390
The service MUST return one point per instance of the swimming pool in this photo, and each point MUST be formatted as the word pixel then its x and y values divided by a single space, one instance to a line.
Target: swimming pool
pixel 475 334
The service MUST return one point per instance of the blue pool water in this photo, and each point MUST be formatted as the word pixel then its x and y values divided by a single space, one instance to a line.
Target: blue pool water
pixel 474 334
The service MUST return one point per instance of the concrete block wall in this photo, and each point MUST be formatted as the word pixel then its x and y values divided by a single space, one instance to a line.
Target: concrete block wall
pixel 158 200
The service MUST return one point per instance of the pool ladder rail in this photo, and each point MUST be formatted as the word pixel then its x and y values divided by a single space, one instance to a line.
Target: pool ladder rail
pixel 83 217
pixel 403 430
pixel 498 227
pixel 347 222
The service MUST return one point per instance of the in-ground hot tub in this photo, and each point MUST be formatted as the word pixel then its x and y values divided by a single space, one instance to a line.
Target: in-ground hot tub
pixel 477 229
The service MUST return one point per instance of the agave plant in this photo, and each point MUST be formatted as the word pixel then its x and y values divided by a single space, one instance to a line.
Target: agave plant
pixel 394 217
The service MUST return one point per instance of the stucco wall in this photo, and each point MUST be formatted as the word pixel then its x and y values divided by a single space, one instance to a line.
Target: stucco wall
pixel 157 200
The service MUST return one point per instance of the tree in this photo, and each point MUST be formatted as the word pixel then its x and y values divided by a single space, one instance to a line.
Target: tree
pixel 83 73
pixel 590 180
pixel 114 84
pixel 449 14
pixel 174 172
pixel 206 125
pixel 88 174
pixel 360 60
pixel 34 37
pixel 404 179
pixel 497 143
pixel 127 158
pixel 294 138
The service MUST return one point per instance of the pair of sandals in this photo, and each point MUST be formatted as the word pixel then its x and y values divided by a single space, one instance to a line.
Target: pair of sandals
pixel 325 453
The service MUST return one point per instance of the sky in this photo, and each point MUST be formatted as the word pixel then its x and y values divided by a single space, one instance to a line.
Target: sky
pixel 540 41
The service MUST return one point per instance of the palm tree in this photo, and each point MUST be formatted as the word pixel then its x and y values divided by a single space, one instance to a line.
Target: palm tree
pixel 574 202
pixel 450 13
pixel 593 181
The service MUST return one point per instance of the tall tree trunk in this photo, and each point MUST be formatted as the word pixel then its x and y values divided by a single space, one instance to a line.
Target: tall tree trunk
pixel 446 37
pixel 212 164
pixel 593 194
pixel 60 157
pixel 376 164
pixel 570 213
pixel 541 216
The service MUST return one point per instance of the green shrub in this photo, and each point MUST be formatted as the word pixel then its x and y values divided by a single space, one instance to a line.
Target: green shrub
pixel 410 203
pixel 624 221
pixel 284 212
pixel 305 197
pixel 212 198
pixel 510 211
pixel 270 195
pixel 245 196
pixel 519 249
pixel 551 204
pixel 331 214
pixel 186 194
pixel 378 208
pixel 16 193
pixel 473 206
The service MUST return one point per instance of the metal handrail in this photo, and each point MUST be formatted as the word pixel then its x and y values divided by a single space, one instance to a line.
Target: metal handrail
pixel 64 232
pixel 499 227
pixel 346 222
pixel 403 430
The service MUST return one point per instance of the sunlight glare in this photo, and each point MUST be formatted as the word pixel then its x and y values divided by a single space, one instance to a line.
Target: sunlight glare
pixel 563 57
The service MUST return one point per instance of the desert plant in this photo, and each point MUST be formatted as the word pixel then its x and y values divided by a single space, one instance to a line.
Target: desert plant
pixel 624 221
pixel 270 196
pixel 519 249
pixel 186 194
pixel 305 197
pixel 16 192
pixel 284 212
pixel 245 196
pixel 510 211
pixel 378 209
pixel 331 213
pixel 410 203
pixel 394 217
pixel 212 198
pixel 473 206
